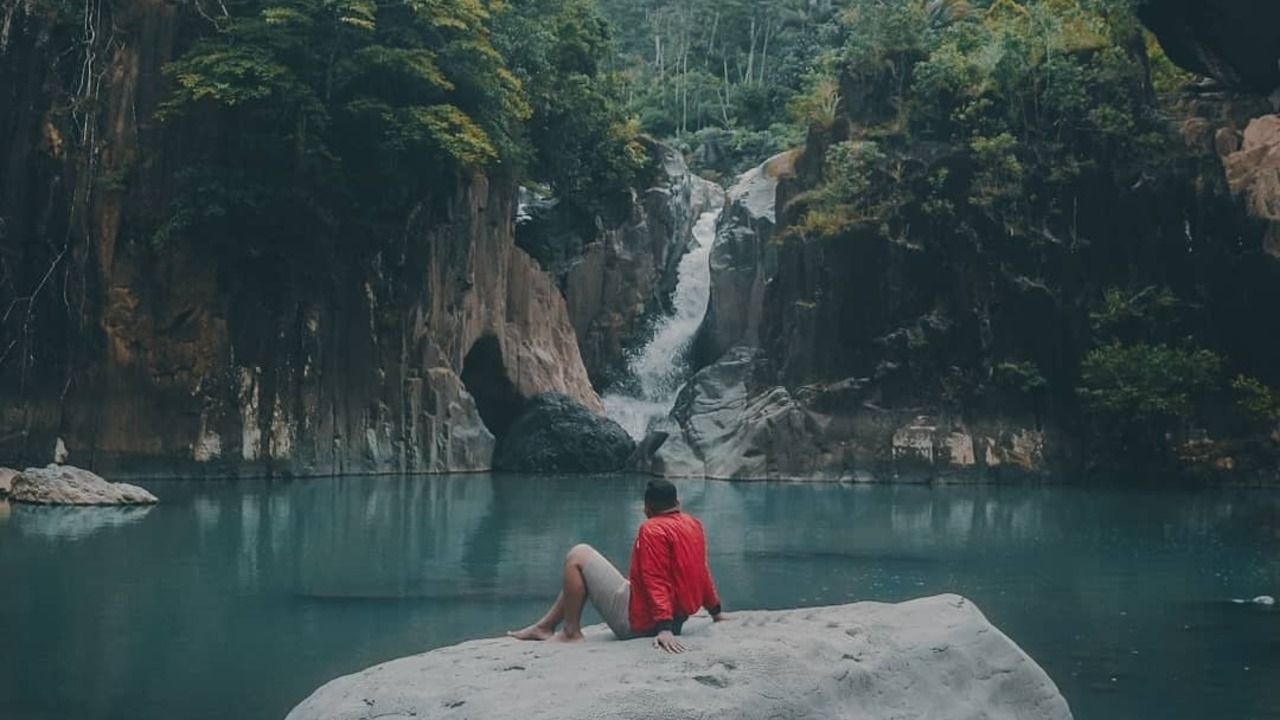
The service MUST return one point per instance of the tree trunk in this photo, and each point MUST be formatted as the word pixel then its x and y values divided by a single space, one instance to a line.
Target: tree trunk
pixel 764 52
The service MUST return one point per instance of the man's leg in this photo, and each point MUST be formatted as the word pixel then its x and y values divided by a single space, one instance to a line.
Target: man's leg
pixel 568 605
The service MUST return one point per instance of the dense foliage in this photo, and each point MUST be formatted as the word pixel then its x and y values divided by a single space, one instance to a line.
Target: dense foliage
pixel 719 75
pixel 1026 144
pixel 1034 96
pixel 1141 396
pixel 737 80
pixel 333 112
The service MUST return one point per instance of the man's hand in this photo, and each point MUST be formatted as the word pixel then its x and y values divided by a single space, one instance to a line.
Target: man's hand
pixel 720 617
pixel 668 642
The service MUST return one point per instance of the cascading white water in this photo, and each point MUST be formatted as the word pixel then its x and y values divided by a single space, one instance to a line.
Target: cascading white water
pixel 660 367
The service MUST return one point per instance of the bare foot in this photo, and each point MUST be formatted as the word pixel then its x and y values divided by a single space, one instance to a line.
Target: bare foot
pixel 564 636
pixel 533 632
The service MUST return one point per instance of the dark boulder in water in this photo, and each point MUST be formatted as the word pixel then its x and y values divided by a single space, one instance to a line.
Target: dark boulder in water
pixel 556 434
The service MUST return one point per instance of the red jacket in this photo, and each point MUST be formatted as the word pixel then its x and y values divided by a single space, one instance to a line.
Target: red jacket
pixel 670 578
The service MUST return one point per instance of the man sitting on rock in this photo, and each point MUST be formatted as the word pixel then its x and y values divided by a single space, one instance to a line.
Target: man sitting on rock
pixel 670 580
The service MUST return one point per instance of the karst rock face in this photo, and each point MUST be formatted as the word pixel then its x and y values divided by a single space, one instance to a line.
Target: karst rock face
pixel 402 353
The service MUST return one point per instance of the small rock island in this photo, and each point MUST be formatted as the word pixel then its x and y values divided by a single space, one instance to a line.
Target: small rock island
pixel 67 485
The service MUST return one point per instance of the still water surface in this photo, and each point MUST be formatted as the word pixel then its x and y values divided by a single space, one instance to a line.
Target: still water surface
pixel 236 600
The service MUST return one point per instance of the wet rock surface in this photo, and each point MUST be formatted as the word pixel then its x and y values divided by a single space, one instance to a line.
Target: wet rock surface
pixel 730 422
pixel 743 259
pixel 556 434
pixel 727 425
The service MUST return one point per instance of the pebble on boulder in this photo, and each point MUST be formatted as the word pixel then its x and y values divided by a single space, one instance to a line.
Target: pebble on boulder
pixel 67 485
pixel 935 658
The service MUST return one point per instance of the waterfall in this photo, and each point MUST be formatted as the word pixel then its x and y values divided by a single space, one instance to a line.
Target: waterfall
pixel 658 369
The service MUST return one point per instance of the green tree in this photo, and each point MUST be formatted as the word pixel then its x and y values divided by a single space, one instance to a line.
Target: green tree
pixel 1033 101
pixel 578 141
pixel 726 65
pixel 341 111
pixel 1141 397
pixel 1260 400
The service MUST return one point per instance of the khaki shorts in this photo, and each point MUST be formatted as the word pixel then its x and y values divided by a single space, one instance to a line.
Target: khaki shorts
pixel 609 592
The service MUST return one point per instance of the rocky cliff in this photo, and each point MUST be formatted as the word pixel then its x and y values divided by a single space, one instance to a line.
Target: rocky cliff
pixel 616 277
pixel 912 350
pixel 405 352
pixel 1237 43
pixel 743 258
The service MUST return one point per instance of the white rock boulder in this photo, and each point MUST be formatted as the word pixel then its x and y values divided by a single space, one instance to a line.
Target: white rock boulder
pixel 67 485
pixel 936 658
pixel 6 480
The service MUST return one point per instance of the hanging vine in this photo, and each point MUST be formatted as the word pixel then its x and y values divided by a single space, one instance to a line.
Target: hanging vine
pixel 89 40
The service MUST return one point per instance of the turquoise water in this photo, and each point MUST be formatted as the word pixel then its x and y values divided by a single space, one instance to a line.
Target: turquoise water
pixel 236 600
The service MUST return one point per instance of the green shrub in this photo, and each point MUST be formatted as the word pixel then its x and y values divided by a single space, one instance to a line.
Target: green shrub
pixel 1261 401
pixel 1141 396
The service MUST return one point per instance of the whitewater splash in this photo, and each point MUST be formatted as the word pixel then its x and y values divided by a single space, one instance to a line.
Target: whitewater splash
pixel 661 367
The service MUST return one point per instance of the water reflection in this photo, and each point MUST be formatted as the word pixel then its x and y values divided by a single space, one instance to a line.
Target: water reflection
pixel 275 587
pixel 353 538
pixel 391 538
pixel 207 513
pixel 70 522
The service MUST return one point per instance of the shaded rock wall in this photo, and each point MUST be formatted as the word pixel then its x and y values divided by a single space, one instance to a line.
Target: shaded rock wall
pixel 936 326
pixel 178 359
pixel 733 421
pixel 743 258
pixel 1235 41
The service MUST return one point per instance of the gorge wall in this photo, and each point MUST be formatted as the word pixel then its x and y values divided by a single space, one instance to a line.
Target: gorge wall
pixel 903 348
pixel 616 277
pixel 403 352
